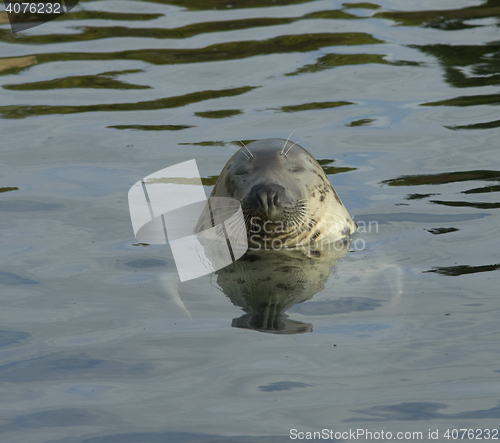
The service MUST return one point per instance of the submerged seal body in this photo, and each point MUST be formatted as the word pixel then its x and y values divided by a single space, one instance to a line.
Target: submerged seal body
pixel 286 197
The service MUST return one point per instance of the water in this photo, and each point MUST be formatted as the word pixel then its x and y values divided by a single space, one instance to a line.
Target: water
pixel 99 344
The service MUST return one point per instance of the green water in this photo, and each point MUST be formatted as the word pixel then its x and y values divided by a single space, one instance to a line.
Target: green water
pixel 398 101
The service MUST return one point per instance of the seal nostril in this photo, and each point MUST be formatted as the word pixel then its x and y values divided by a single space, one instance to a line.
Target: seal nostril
pixel 262 198
pixel 277 199
pixel 271 196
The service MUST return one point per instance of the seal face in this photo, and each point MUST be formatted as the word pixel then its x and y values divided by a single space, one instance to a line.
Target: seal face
pixel 286 197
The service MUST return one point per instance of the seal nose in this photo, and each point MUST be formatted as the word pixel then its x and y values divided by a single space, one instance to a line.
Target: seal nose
pixel 268 196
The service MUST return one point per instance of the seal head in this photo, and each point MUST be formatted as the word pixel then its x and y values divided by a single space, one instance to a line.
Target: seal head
pixel 286 197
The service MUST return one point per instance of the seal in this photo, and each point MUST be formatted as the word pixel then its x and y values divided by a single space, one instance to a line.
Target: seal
pixel 286 197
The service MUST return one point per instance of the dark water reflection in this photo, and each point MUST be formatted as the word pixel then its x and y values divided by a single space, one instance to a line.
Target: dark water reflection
pixel 266 284
pixel 81 367
pixel 93 33
pixel 225 4
pixel 100 81
pixel 444 19
pixel 465 269
pixel 163 103
pixel 421 411
pixel 452 177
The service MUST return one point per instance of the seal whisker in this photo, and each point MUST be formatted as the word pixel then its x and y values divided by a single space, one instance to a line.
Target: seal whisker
pixel 331 214
pixel 225 210
pixel 239 229
pixel 245 146
pixel 286 153
pixel 282 150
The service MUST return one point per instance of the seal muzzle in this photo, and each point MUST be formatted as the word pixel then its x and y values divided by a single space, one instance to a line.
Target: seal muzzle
pixel 268 199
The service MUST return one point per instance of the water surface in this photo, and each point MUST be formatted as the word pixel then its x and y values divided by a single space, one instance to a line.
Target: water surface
pixel 399 103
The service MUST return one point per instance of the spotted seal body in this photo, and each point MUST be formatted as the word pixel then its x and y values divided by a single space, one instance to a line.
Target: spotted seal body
pixel 286 197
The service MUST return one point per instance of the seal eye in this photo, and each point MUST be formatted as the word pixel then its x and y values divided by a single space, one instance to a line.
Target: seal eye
pixel 241 172
pixel 296 168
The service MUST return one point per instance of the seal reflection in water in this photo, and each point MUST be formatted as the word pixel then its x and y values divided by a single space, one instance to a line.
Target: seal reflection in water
pixel 265 284
pixel 297 229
